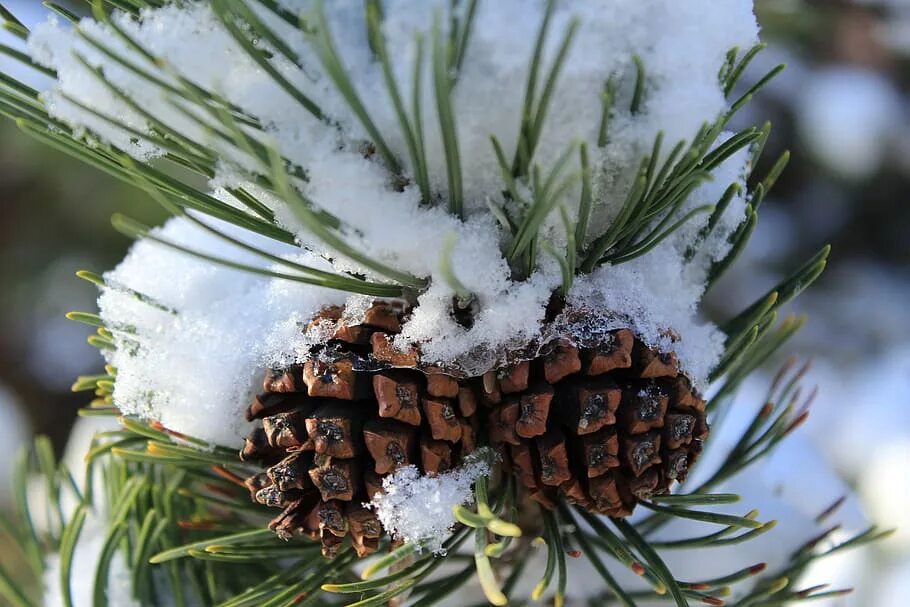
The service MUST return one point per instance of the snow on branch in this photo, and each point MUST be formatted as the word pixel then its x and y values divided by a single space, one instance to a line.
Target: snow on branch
pixel 190 367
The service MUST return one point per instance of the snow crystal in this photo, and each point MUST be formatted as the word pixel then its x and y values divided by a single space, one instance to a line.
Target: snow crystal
pixel 418 509
pixel 200 363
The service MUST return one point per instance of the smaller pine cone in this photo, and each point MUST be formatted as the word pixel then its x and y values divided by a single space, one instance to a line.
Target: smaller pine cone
pixel 602 426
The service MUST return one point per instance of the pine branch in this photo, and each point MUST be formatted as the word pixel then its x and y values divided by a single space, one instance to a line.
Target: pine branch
pixel 154 451
pixel 177 509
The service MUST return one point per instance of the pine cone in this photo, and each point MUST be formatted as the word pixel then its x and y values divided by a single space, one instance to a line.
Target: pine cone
pixel 605 425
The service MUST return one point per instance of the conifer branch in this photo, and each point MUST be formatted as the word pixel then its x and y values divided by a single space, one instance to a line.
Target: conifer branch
pixel 177 509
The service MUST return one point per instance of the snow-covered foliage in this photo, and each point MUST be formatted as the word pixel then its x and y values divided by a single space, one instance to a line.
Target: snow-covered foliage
pixel 87 555
pixel 194 363
pixel 418 509
pixel 89 548
pixel 194 359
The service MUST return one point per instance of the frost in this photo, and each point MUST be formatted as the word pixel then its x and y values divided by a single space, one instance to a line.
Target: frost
pixel 200 364
pixel 418 509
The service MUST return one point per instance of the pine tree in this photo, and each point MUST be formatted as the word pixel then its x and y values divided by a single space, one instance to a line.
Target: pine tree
pixel 502 330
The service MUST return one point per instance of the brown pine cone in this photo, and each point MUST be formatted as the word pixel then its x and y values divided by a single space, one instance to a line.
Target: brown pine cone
pixel 604 426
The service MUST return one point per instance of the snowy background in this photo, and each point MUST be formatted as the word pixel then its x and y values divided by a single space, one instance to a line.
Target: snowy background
pixel 842 107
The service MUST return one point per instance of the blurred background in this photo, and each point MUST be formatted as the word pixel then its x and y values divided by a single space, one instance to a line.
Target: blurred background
pixel 842 107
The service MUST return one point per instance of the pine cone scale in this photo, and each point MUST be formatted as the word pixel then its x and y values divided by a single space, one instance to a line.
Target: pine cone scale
pixel 604 426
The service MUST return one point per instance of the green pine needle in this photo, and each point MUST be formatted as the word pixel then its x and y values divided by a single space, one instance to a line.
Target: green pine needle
pixel 324 45
pixel 639 93
pixel 443 84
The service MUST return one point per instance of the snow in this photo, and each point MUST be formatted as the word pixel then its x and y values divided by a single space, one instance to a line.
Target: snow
pixel 201 364
pixel 650 294
pixel 93 534
pixel 196 369
pixel 82 577
pixel 418 509
pixel 28 13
